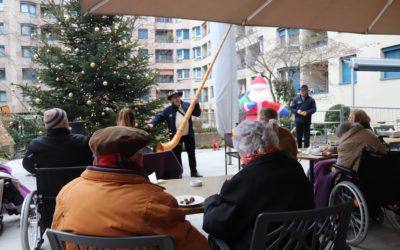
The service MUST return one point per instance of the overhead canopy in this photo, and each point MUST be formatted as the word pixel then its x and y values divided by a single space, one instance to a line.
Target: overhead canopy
pixel 358 16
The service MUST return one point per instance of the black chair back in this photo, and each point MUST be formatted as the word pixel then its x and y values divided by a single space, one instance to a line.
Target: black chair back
pixel 228 152
pixel 49 182
pixel 58 239
pixel 323 228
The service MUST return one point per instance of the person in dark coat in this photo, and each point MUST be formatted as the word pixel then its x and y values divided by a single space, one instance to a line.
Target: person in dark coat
pixel 303 106
pixel 59 148
pixel 173 115
pixel 270 182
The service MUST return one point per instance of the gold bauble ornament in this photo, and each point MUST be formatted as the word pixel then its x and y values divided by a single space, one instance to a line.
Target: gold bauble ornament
pixel 96 29
pixel 48 51
pixel 82 72
pixel 128 77
pixel 70 95
pixel 92 65
pixel 57 79
pixel 38 100
pixel 40 133
pixel 76 50
pixel 38 86
pixel 89 102
pixel 36 56
pixel 105 83
pixel 102 113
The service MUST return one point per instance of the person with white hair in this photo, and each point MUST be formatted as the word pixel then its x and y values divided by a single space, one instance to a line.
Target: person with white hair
pixel 269 182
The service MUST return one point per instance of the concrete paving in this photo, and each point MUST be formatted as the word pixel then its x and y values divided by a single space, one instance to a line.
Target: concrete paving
pixel 210 163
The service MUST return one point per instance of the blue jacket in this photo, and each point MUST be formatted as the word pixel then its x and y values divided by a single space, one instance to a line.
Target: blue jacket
pixel 169 115
pixel 308 105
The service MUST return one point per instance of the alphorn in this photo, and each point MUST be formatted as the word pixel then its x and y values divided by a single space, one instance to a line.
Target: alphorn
pixel 177 137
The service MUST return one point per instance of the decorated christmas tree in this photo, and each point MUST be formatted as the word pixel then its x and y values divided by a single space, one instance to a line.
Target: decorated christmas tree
pixel 91 67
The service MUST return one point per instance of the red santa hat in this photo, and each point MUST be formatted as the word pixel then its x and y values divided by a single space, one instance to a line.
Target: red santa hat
pixel 259 80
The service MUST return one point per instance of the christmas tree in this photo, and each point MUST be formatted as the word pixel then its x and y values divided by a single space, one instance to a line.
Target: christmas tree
pixel 90 67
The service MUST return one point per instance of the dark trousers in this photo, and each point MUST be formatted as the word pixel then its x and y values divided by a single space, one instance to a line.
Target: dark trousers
pixel 190 149
pixel 303 129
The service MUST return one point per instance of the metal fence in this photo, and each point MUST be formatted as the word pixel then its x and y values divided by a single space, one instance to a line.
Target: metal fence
pixel 383 115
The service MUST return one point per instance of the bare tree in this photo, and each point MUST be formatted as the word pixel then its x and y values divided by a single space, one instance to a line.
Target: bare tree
pixel 287 56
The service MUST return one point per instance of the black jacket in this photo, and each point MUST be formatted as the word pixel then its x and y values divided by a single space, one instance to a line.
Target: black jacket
pixel 169 115
pixel 59 148
pixel 307 105
pixel 270 183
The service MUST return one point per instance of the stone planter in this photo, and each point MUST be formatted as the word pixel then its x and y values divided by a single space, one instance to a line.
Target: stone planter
pixel 206 139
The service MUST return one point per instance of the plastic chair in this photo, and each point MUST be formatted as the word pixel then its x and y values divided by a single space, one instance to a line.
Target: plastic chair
pixel 229 145
pixel 58 239
pixel 323 228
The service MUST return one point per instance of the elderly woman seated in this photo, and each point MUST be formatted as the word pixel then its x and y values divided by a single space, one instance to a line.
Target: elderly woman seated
pixel 270 182
pixel 353 137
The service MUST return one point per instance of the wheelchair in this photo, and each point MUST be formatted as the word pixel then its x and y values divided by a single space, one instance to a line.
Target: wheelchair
pixel 38 206
pixel 374 189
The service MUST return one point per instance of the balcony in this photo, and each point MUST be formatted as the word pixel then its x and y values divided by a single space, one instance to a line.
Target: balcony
pixel 164 39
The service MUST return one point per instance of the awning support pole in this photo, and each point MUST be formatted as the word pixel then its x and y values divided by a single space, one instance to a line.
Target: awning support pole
pixel 255 13
pixel 96 6
pixel 388 3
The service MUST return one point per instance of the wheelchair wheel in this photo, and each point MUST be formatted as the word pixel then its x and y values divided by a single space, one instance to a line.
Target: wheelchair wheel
pixel 29 223
pixel 347 191
pixel 393 216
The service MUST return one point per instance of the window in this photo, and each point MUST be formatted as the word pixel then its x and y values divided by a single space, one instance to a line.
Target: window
pixel 183 74
pixel 212 92
pixel 165 75
pixel 1 28
pixel 1 6
pixel 2 51
pixel 27 29
pixel 143 34
pixel 28 74
pixel 292 75
pixel 164 56
pixel 183 54
pixel 28 7
pixel 163 20
pixel 346 70
pixel 196 32
pixel 185 93
pixel 204 95
pixel 2 73
pixel 164 36
pixel 288 37
pixel 197 52
pixel 27 51
pixel 49 32
pixel 143 53
pixel 182 34
pixel 197 73
pixel 3 96
pixel 392 52
pixel 45 12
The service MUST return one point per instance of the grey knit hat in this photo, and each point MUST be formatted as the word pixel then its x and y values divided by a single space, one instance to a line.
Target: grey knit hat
pixel 55 118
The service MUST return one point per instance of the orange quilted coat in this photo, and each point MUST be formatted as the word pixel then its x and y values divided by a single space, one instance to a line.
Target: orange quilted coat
pixel 107 203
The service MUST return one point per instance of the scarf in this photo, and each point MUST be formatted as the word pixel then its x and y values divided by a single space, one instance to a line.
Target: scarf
pixel 246 160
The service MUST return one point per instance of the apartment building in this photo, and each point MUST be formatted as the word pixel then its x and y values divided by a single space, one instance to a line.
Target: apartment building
pixel 179 51
pixel 19 20
pixel 325 69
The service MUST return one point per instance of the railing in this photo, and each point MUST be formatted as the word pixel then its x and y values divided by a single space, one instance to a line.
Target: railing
pixel 162 39
pixel 383 115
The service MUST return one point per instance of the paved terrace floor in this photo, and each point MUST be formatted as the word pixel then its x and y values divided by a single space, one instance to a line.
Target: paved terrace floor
pixel 380 237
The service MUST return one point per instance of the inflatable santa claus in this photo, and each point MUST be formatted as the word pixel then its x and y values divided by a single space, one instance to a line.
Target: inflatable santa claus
pixel 259 97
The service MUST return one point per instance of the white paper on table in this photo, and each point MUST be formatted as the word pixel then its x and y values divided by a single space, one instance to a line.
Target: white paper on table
pixel 153 178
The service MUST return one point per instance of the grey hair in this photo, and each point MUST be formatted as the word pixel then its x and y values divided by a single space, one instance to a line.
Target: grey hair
pixel 254 136
pixel 344 127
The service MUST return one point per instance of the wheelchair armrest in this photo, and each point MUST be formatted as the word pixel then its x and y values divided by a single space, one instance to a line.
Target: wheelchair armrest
pixel 344 169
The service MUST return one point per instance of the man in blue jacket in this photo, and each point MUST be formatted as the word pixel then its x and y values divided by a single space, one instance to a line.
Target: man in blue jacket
pixel 173 115
pixel 303 106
